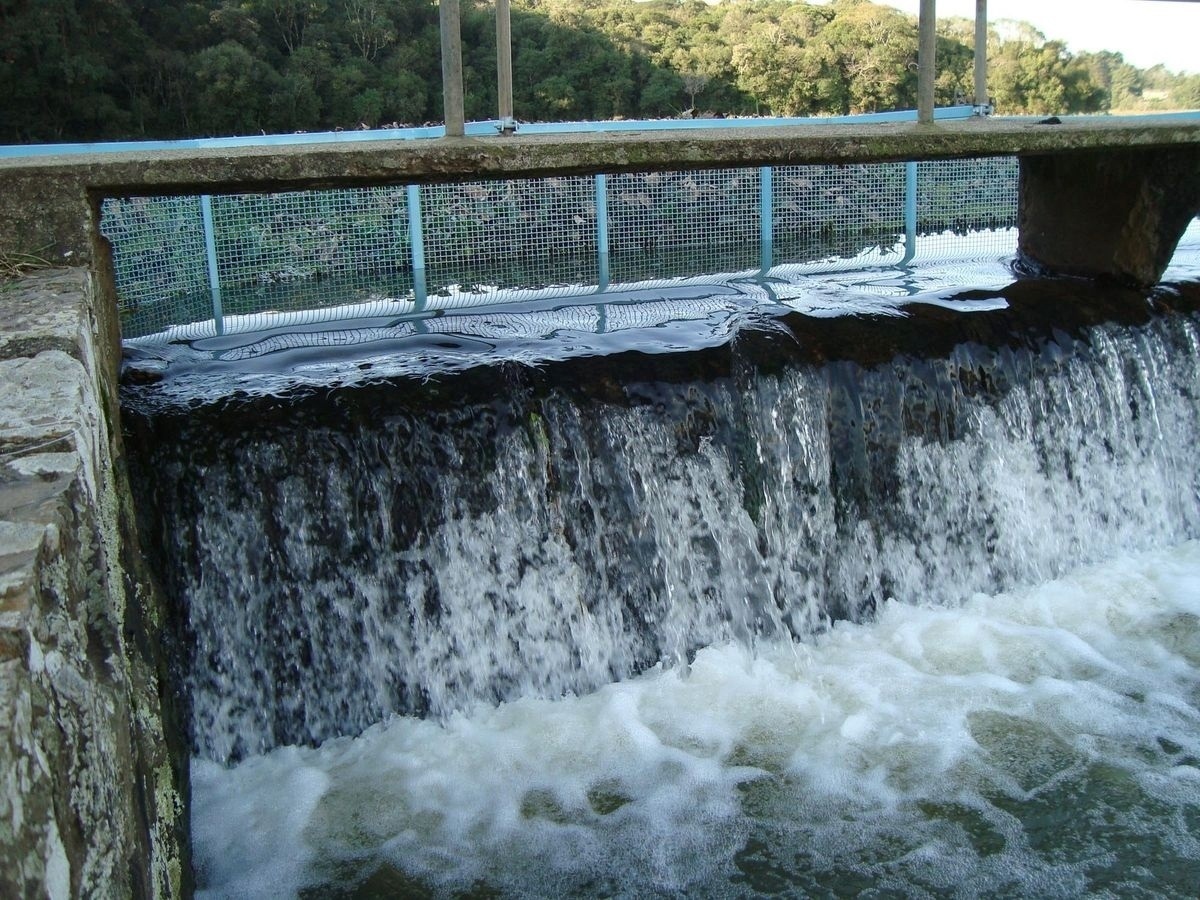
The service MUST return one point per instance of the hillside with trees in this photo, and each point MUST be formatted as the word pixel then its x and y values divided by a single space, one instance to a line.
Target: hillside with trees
pixel 74 70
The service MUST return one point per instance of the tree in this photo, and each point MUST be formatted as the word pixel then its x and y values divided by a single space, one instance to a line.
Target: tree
pixel 233 90
pixel 95 69
pixel 557 96
pixel 785 65
pixel 660 94
pixel 955 79
pixel 876 50
pixel 693 84
pixel 369 27
pixel 1033 75
pixel 1186 93
pixel 290 18
pixel 406 97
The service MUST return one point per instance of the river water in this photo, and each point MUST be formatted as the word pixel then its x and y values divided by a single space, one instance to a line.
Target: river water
pixel 723 590
pixel 1039 743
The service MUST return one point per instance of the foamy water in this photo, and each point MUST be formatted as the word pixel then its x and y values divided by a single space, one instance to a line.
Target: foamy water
pixel 1042 742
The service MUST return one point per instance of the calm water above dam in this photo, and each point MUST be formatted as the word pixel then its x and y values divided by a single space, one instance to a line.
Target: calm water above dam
pixel 797 589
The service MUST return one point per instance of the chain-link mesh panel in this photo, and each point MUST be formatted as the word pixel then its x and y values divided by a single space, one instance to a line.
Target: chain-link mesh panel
pixel 484 239
pixel 158 257
pixel 966 207
pixel 672 224
pixel 838 216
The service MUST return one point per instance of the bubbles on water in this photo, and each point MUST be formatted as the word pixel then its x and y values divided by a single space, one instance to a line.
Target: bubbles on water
pixel 1043 742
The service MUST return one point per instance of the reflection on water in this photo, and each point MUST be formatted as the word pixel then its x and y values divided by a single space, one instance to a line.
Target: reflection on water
pixel 379 338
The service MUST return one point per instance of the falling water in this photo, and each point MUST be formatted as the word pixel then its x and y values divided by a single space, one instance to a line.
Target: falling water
pixel 807 607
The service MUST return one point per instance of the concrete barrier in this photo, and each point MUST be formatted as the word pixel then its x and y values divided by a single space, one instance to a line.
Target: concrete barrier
pixel 91 758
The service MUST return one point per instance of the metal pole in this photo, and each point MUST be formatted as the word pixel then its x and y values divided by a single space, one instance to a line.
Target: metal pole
pixel 452 77
pixel 504 84
pixel 210 253
pixel 766 216
pixel 602 230
pixel 416 237
pixel 926 60
pixel 981 32
pixel 910 213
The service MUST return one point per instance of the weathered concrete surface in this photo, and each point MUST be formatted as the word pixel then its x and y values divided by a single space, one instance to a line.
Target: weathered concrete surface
pixel 46 202
pixel 1131 208
pixel 48 218
pixel 93 795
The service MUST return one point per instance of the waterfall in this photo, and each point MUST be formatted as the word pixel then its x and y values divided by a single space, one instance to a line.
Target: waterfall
pixel 427 545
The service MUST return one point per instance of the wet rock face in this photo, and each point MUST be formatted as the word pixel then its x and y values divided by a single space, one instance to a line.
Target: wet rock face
pixel 92 793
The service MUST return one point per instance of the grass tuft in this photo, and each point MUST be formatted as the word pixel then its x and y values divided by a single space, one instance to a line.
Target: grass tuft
pixel 13 265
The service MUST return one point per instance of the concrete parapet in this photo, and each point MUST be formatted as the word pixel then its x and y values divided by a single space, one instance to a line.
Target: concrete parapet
pixel 93 799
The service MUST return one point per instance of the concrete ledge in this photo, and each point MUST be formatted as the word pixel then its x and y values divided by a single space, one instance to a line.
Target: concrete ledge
pixel 92 797
pixel 237 169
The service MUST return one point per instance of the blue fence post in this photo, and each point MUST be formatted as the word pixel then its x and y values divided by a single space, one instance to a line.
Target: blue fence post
pixel 416 235
pixel 910 213
pixel 766 215
pixel 602 230
pixel 210 253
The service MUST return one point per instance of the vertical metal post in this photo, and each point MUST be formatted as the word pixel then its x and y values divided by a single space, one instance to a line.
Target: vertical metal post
pixel 452 77
pixel 210 252
pixel 766 217
pixel 981 33
pixel 926 60
pixel 602 230
pixel 416 236
pixel 910 213
pixel 504 76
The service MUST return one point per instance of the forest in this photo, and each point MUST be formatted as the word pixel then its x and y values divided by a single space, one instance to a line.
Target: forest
pixel 76 70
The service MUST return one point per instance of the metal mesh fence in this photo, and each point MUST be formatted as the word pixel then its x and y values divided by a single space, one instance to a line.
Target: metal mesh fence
pixel 294 259
pixel 966 207
pixel 826 216
pixel 268 244
pixel 675 224
pixel 485 238
pixel 158 255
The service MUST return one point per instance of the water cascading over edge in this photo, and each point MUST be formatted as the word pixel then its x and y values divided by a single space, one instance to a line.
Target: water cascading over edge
pixel 424 545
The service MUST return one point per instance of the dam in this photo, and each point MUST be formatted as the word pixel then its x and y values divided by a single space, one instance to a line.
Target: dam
pixel 767 581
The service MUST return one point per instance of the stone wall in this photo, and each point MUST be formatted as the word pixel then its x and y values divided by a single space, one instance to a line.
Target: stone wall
pixel 93 800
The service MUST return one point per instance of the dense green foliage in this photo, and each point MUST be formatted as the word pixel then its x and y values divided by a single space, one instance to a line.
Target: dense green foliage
pixel 94 69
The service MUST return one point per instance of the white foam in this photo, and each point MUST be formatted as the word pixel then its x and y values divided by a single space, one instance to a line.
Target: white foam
pixel 1034 742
